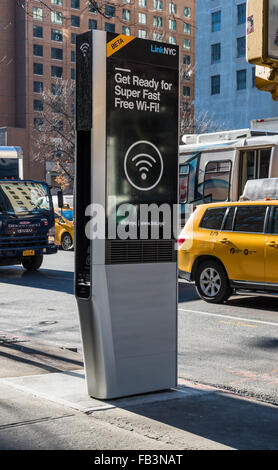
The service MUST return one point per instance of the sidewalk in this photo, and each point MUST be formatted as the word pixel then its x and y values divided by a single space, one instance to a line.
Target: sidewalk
pixel 44 406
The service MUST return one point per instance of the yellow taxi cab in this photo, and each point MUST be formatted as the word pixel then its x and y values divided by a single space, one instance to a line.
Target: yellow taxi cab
pixel 231 246
pixel 64 229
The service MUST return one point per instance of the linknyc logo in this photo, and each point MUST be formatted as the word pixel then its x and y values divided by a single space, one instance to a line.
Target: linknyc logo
pixel 163 50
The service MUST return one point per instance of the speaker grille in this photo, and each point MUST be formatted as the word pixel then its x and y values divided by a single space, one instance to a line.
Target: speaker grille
pixel 140 251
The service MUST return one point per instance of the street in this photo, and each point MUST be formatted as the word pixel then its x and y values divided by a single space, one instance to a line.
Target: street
pixel 231 346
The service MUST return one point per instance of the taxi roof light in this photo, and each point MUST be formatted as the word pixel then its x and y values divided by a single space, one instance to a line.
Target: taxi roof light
pixel 260 189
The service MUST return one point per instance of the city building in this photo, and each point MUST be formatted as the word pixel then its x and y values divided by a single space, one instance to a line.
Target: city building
pixel 37 46
pixel 226 91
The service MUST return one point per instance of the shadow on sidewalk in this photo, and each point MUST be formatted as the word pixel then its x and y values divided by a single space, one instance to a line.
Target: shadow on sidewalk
pixel 49 279
pixel 21 356
pixel 215 415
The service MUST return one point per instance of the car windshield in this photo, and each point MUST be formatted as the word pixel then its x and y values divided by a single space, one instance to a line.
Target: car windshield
pixel 67 213
pixel 21 197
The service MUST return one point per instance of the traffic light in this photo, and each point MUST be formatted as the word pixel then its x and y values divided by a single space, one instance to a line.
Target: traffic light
pixel 262 43
pixel 267 80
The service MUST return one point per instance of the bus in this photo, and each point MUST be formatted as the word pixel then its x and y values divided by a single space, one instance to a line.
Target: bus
pixel 214 167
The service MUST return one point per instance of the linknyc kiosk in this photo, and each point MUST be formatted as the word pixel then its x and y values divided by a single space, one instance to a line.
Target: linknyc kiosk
pixel 127 107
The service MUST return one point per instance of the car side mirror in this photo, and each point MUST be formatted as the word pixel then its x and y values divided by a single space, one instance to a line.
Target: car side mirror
pixel 60 199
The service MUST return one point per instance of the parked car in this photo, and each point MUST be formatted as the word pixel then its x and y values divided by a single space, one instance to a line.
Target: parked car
pixel 64 231
pixel 231 246
pixel 66 212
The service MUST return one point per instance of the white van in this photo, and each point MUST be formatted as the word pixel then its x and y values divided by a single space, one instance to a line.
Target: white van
pixel 68 201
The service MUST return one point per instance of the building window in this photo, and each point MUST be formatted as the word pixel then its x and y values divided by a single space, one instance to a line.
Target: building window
pixel 157 36
pixel 75 4
pixel 216 21
pixel 215 53
pixel 56 53
pixel 187 12
pixel 158 4
pixel 186 75
pixel 186 91
pixel 38 123
pixel 73 38
pixel 38 105
pixel 75 21
pixel 142 18
pixel 142 3
pixel 38 68
pixel 186 44
pixel 186 28
pixel 56 35
pixel 56 17
pixel 240 47
pixel 38 50
pixel 126 30
pixel 110 11
pixel 186 59
pixel 37 31
pixel 172 40
pixel 215 85
pixel 157 21
pixel 38 87
pixel 57 2
pixel 253 77
pixel 72 74
pixel 172 8
pixel 37 13
pixel 241 79
pixel 72 56
pixel 92 9
pixel 126 15
pixel 56 89
pixel 92 24
pixel 56 71
pixel 241 13
pixel 142 33
pixel 56 107
pixel 58 126
pixel 173 25
pixel 110 27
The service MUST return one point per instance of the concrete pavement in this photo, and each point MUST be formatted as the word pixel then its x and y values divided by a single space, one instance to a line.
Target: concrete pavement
pixel 44 406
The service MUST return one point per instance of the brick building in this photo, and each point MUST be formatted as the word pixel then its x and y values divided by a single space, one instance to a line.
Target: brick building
pixel 37 45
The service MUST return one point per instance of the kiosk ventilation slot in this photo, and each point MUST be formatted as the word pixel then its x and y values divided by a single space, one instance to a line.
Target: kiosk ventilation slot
pixel 140 251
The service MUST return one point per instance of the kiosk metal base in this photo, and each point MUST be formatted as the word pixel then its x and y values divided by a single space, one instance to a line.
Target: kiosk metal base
pixel 129 329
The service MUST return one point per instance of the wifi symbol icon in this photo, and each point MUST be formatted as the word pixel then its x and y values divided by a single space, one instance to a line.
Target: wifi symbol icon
pixel 143 165
pixel 84 48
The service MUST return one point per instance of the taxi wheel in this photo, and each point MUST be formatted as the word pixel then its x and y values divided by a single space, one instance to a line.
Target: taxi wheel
pixel 66 242
pixel 32 263
pixel 212 282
